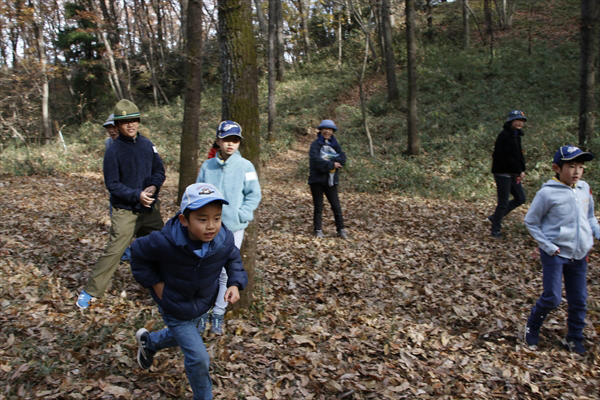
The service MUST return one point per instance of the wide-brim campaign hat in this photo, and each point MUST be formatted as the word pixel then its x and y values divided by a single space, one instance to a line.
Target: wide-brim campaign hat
pixel 125 109
pixel 198 195
pixel 570 153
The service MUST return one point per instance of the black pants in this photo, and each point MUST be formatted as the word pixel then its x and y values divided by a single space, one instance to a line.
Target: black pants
pixel 317 190
pixel 506 186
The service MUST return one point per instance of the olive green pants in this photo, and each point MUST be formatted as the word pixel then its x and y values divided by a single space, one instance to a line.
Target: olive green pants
pixel 124 226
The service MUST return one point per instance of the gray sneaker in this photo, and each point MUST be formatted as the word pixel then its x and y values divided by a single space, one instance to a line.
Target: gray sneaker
pixel 342 234
pixel 319 234
pixel 216 324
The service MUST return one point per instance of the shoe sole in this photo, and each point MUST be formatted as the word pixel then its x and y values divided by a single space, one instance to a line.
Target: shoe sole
pixel 138 339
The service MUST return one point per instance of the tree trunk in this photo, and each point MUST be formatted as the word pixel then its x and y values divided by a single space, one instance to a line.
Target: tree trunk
pixel 272 110
pixel 260 16
pixel 340 40
pixel 240 103
pixel 280 44
pixel 390 61
pixel 429 14
pixel 487 17
pixel 587 86
pixel 465 17
pixel 188 158
pixel 411 49
pixel 303 11
pixel 39 33
pixel 109 52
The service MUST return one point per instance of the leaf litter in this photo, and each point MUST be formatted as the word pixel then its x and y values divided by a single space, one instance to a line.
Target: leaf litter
pixel 420 302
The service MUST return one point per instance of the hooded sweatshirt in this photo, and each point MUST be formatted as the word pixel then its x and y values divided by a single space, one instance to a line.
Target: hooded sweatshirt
pixel 190 269
pixel 237 181
pixel 562 217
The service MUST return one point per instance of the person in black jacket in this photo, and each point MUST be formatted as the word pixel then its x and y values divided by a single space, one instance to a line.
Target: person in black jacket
pixel 133 174
pixel 180 265
pixel 326 158
pixel 508 167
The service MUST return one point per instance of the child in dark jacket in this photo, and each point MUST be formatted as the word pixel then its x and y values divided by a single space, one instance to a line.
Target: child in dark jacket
pixel 326 158
pixel 180 266
pixel 508 167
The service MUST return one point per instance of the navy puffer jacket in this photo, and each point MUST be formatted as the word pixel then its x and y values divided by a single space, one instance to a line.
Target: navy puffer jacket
pixel 191 281
pixel 508 155
pixel 319 168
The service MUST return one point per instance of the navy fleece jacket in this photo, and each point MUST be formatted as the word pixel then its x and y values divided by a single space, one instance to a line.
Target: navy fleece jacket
pixel 130 166
pixel 191 281
pixel 319 168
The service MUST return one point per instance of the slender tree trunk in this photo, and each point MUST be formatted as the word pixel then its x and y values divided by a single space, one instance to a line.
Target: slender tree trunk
pixel 183 4
pixel 280 44
pixel 188 158
pixel 340 40
pixel 109 53
pixel 363 107
pixel 429 13
pixel 240 103
pixel 587 86
pixel 39 33
pixel 390 61
pixel 272 110
pixel 260 16
pixel 303 11
pixel 487 17
pixel 411 47
pixel 465 17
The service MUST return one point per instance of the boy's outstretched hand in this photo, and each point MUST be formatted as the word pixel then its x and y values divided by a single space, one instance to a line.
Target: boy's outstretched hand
pixel 232 294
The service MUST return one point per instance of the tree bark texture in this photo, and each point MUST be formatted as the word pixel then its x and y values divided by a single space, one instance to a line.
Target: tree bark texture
pixel 465 17
pixel 271 109
pixel 188 156
pixel 587 86
pixel 260 16
pixel 240 103
pixel 280 44
pixel 411 49
pixel 390 61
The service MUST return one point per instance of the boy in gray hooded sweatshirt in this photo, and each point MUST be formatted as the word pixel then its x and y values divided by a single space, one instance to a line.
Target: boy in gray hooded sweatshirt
pixel 561 219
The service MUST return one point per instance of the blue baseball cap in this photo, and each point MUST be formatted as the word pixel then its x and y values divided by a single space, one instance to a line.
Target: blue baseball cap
pixel 198 195
pixel 229 128
pixel 516 114
pixel 570 153
pixel 327 123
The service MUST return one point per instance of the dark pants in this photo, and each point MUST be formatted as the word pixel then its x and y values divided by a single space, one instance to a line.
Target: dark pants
pixel 506 186
pixel 574 271
pixel 317 190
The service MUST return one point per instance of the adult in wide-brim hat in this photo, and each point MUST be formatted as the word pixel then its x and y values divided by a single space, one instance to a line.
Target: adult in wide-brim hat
pixel 126 109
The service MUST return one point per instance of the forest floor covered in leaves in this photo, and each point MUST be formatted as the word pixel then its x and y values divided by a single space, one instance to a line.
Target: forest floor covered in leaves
pixel 419 302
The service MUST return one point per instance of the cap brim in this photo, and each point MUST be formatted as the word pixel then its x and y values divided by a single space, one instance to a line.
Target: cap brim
pixel 201 203
pixel 108 123
pixel 227 135
pixel 585 156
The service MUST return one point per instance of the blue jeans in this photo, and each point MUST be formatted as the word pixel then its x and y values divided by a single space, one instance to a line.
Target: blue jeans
pixel 505 187
pixel 574 271
pixel 184 333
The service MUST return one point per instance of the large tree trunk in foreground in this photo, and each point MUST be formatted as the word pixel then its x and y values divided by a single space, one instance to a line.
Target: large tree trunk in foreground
pixel 188 159
pixel 240 103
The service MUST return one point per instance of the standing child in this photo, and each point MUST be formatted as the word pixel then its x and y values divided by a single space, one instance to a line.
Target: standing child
pixel 508 167
pixel 236 178
pixel 561 219
pixel 111 131
pixel 180 266
pixel 326 158
pixel 133 174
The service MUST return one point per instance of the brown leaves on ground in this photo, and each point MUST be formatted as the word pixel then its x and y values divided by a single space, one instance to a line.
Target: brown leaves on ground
pixel 419 302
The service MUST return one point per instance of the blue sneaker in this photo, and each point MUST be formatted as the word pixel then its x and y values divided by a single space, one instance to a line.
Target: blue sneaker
pixel 216 324
pixel 531 335
pixel 575 346
pixel 202 322
pixel 83 301
pixel 126 254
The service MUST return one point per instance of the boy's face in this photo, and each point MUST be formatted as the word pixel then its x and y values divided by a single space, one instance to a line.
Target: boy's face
pixel 518 124
pixel 128 127
pixel 570 172
pixel 112 131
pixel 327 133
pixel 204 223
pixel 229 145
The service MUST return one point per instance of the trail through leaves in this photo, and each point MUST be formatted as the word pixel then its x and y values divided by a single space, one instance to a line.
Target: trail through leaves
pixel 420 302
